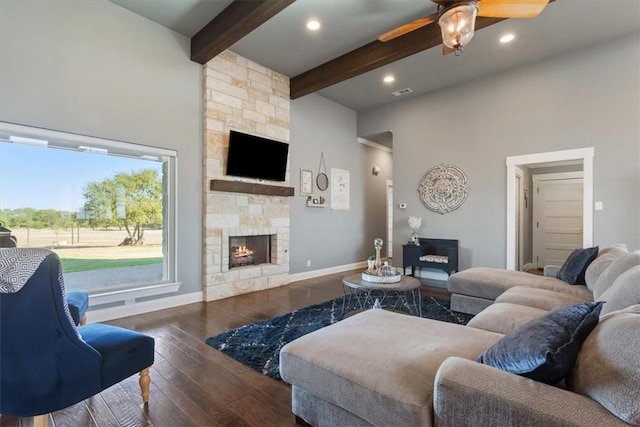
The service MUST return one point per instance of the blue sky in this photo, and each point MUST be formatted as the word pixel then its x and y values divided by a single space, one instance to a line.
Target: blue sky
pixel 47 178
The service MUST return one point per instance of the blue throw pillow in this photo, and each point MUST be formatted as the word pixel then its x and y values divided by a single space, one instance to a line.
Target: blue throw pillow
pixel 545 349
pixel 572 271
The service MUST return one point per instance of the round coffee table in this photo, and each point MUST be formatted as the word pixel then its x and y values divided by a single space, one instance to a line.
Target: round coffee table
pixel 407 292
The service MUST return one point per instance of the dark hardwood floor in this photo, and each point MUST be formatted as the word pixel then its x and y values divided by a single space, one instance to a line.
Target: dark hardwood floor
pixel 191 383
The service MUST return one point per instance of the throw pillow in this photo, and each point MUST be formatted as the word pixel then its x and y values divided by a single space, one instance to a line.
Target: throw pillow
pixel 598 266
pixel 545 349
pixel 615 269
pixel 624 292
pixel 572 271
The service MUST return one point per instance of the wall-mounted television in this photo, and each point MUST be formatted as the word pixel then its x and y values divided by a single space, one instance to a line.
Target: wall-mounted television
pixel 252 156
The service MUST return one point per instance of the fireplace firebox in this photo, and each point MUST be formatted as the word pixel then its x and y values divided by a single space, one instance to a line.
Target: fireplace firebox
pixel 249 250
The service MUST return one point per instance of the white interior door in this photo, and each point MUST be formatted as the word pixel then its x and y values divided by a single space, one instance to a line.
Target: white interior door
pixel 557 213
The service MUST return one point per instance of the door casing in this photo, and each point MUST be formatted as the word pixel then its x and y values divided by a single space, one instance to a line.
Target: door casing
pixel 584 155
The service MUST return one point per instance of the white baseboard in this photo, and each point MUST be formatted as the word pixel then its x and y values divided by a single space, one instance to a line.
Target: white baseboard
pixel 126 310
pixel 111 313
pixel 325 271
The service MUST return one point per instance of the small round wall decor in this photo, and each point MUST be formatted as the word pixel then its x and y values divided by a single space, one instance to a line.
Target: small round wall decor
pixel 443 188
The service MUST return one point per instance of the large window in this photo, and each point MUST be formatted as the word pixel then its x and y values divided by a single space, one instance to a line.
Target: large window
pixel 105 207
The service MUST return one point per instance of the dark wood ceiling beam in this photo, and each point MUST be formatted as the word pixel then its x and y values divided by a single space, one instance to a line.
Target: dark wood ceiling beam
pixel 372 56
pixel 232 24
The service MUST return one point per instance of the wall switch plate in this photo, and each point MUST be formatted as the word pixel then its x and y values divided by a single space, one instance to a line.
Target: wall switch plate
pixel 402 206
pixel 599 206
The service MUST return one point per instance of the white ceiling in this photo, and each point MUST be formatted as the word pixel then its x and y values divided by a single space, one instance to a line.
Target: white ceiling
pixel 285 45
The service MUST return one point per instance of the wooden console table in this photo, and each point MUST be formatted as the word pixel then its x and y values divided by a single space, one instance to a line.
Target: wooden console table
pixel 444 247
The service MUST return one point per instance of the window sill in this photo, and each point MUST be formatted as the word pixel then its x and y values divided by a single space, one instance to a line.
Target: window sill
pixel 129 296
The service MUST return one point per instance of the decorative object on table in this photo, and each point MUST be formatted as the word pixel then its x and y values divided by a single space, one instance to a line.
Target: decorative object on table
pixel 371 263
pixel 443 188
pixel 340 189
pixel 377 244
pixel 380 273
pixel 322 181
pixel 306 182
pixel 384 274
pixel 258 345
pixel 415 223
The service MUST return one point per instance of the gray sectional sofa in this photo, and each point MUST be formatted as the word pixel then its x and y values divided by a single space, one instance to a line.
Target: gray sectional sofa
pixel 477 288
pixel 380 368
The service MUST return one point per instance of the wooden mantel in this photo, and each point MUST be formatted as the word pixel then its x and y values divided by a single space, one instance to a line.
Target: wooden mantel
pixel 249 187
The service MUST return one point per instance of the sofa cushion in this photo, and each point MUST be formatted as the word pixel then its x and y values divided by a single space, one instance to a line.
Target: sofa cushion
pixel 379 365
pixel 615 269
pixel 545 349
pixel 572 271
pixel 607 368
pixel 616 247
pixel 489 283
pixel 543 299
pixel 598 266
pixel 624 292
pixel 504 317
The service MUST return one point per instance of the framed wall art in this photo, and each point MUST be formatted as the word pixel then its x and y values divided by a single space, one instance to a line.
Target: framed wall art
pixel 340 189
pixel 306 182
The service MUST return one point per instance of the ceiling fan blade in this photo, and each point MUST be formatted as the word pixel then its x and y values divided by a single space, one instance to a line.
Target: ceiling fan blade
pixel 407 28
pixel 511 8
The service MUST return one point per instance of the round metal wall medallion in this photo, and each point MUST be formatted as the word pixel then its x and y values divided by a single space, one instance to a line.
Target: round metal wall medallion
pixel 443 188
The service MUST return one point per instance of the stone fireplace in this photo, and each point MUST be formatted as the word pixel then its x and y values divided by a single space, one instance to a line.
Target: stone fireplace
pixel 244 96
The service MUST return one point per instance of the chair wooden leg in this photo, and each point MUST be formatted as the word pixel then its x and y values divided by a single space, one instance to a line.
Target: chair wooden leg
pixel 145 380
pixel 41 420
pixel 83 321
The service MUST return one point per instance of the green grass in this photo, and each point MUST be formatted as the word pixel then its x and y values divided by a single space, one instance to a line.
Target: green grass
pixel 74 265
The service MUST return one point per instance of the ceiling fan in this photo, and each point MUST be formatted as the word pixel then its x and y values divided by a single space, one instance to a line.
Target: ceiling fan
pixel 457 19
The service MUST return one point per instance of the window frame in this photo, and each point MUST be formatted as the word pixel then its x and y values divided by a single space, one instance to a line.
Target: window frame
pixel 66 140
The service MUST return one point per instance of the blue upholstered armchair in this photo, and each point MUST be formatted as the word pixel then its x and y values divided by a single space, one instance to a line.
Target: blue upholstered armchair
pixel 46 363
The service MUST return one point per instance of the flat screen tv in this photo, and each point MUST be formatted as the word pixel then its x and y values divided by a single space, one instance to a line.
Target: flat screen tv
pixel 252 156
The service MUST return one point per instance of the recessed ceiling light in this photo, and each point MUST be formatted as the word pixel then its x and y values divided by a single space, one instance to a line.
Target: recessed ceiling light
pixel 313 25
pixel 507 38
pixel 388 79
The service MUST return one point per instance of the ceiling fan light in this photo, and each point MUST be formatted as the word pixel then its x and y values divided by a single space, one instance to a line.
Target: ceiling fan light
pixel 457 24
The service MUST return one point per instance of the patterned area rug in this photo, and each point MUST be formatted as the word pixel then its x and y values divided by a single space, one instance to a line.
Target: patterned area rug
pixel 258 345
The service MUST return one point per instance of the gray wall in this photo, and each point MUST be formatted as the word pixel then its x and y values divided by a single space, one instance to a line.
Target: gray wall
pixel 375 195
pixel 328 237
pixel 93 68
pixel 590 97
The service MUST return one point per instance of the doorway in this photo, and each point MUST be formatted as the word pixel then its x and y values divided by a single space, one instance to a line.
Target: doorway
pixel 389 220
pixel 582 156
pixel 557 217
pixel 519 196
